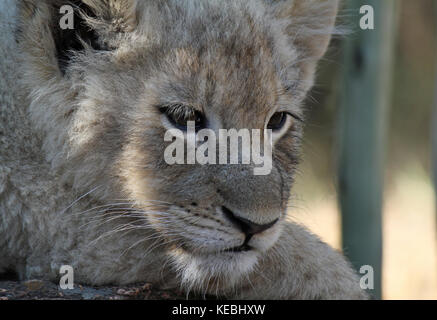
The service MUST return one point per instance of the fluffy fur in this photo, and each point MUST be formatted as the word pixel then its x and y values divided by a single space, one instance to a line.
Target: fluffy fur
pixel 82 176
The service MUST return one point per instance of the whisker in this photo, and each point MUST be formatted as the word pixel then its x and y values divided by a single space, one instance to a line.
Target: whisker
pixel 78 199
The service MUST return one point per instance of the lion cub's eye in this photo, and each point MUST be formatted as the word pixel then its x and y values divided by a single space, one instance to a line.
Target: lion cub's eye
pixel 277 121
pixel 178 115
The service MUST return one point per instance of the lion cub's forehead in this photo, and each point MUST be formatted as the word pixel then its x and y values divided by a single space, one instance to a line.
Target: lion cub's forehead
pixel 241 77
pixel 213 58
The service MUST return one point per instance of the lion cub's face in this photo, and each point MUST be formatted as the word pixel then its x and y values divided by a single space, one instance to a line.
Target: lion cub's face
pixel 105 105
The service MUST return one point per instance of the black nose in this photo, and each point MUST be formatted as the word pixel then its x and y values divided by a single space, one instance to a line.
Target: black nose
pixel 248 227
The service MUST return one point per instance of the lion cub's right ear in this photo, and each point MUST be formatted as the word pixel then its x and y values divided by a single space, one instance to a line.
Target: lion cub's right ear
pixel 309 23
pixel 95 23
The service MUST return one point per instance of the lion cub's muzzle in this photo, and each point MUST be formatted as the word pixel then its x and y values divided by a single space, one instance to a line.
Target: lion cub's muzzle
pixel 248 227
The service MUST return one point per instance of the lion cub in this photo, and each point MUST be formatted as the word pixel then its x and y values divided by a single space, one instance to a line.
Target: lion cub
pixel 88 91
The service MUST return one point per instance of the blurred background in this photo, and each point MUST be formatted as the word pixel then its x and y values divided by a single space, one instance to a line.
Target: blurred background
pixel 408 211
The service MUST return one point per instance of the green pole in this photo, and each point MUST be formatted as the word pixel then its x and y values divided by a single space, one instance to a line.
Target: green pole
pixel 434 122
pixel 364 105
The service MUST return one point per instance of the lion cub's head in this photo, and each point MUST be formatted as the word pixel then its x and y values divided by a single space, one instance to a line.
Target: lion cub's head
pixel 103 95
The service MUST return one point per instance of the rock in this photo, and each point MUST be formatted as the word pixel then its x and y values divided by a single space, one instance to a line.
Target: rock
pixel 33 285
pixel 46 290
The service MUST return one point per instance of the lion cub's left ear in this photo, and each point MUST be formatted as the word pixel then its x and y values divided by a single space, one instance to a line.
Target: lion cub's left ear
pixel 113 15
pixel 95 24
pixel 310 23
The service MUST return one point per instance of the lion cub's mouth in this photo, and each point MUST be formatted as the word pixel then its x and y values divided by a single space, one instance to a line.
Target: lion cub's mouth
pixel 242 248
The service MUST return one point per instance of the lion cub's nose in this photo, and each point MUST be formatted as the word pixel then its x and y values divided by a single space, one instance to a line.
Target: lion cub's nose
pixel 248 227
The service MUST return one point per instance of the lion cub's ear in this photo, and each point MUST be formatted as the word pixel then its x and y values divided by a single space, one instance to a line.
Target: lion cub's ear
pixel 93 23
pixel 310 23
pixel 113 15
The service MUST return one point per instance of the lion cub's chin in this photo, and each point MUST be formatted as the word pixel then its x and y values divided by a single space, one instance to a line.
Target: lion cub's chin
pixel 213 273
pixel 219 272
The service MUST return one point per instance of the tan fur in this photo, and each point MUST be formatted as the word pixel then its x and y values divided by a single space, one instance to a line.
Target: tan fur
pixel 83 181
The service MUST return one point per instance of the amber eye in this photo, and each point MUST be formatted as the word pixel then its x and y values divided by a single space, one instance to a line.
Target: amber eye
pixel 277 121
pixel 178 115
